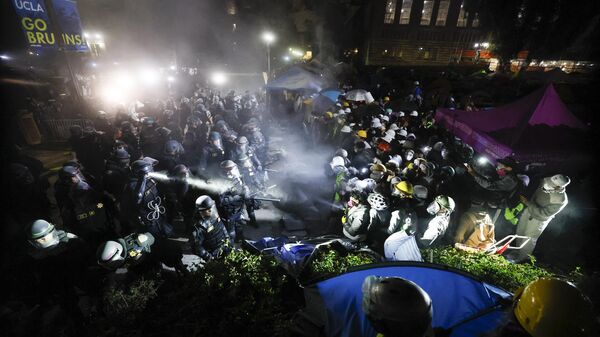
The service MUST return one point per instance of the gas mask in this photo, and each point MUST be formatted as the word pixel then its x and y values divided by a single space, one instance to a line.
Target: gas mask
pixel 549 187
pixel 433 208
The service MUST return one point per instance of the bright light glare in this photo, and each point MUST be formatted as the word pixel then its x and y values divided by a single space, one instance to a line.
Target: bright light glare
pixel 172 67
pixel 297 53
pixel 171 79
pixel 4 57
pixel 86 35
pixel 218 78
pixel 94 64
pixel 286 58
pixel 124 80
pixel 149 76
pixel 112 94
pixel 482 160
pixel 268 37
pixel 98 36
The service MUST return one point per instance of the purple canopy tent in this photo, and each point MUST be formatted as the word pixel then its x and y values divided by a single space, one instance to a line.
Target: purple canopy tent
pixel 538 123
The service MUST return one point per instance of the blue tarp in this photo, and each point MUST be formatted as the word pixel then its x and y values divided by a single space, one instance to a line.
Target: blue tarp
pixel 332 94
pixel 297 78
pixel 455 296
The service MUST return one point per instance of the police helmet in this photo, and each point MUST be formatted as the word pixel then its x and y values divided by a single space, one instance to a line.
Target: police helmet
pixel 141 167
pixel 111 255
pixel 396 306
pixel 204 202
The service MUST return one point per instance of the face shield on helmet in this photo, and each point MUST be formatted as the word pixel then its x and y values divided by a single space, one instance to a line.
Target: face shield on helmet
pixel 215 140
pixel 43 235
pixel 409 155
pixel 230 169
pixel 443 204
pixel 111 255
pixel 206 208
pixel 433 208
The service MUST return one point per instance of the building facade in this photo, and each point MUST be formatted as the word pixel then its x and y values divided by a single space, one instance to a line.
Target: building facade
pixel 422 32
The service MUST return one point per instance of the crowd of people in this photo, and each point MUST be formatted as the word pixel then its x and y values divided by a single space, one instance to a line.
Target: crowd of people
pixel 398 175
pixel 147 175
pixel 194 169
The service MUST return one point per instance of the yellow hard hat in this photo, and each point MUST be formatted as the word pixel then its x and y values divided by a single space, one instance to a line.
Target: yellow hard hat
pixel 329 114
pixel 346 104
pixel 549 307
pixel 362 133
pixel 405 187
pixel 386 98
pixel 378 168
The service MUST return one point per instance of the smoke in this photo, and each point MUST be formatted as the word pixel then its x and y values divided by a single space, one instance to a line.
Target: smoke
pixel 211 186
pixel 305 188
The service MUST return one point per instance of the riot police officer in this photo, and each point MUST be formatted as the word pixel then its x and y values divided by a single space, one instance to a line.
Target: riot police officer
pixel 211 239
pixel 143 204
pixel 213 153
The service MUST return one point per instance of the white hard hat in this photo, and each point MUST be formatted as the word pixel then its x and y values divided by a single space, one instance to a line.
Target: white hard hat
pixel 337 161
pixel 385 118
pixel 394 127
pixel 401 114
pixel 403 133
pixel 346 129
pixel 414 113
pixel 347 110
pixel 411 136
pixel 387 138
pixel 416 82
pixel 375 123
pixel 396 159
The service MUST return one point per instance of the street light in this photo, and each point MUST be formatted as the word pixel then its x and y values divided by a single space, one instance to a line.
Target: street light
pixel 268 38
pixel 218 78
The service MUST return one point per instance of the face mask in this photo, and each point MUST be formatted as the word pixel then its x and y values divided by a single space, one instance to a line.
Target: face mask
pixel 433 208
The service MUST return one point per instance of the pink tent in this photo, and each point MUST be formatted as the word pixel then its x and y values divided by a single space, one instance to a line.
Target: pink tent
pixel 537 126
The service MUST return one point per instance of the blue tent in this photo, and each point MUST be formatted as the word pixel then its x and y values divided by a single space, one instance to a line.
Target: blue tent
pixel 460 302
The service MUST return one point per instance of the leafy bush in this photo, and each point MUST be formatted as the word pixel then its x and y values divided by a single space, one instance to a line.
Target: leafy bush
pixel 493 269
pixel 124 307
pixel 242 294
pixel 330 262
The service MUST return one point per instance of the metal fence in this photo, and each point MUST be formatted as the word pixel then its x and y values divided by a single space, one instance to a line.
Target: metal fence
pixel 58 129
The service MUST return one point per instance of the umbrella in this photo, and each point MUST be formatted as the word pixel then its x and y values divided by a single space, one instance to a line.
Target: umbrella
pixel 332 94
pixel 322 103
pixel 359 95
